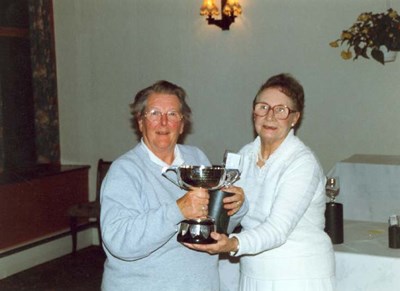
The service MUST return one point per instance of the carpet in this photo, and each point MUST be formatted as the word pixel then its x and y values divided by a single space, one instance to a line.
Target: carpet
pixel 81 272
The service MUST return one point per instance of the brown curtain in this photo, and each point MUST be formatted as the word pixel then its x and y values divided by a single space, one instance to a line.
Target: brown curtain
pixel 1 137
pixel 44 81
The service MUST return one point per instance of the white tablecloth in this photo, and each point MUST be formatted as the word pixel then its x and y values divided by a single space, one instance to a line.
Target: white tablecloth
pixel 364 262
pixel 369 187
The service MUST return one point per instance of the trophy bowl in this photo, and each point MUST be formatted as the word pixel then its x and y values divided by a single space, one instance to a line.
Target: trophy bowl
pixel 207 177
pixel 201 176
pixel 210 178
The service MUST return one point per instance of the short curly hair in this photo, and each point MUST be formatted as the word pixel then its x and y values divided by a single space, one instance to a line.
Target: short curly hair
pixel 139 104
pixel 288 85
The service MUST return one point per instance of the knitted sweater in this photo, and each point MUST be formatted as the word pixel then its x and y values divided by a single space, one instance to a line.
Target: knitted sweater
pixel 283 235
pixel 139 223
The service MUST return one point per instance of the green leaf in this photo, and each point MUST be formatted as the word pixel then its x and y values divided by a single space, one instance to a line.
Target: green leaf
pixel 364 52
pixel 378 56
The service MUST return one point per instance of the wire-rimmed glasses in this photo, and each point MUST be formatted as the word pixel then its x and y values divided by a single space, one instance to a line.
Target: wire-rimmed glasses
pixel 155 115
pixel 280 111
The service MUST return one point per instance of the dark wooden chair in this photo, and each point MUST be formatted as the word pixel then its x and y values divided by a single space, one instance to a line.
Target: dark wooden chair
pixel 88 210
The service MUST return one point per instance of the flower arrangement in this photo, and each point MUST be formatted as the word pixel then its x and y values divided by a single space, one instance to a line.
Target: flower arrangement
pixel 370 34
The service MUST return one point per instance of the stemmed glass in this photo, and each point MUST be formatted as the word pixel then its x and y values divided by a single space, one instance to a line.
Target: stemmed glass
pixel 332 188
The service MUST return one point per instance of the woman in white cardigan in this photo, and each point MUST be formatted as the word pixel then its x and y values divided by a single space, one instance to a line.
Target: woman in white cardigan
pixel 283 245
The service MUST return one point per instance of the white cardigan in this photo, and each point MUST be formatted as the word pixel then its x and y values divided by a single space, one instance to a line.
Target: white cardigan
pixel 283 232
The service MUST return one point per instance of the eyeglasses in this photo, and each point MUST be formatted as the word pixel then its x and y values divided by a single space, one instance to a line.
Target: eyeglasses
pixel 155 115
pixel 280 111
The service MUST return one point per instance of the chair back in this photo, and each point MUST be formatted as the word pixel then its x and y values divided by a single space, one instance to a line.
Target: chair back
pixel 102 169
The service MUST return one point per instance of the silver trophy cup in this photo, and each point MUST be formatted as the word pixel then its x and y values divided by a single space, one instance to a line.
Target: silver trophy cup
pixel 210 178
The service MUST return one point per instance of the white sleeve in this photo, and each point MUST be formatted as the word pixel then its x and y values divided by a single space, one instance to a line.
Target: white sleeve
pixel 294 192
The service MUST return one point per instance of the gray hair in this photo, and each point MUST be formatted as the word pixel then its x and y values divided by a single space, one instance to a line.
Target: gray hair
pixel 139 104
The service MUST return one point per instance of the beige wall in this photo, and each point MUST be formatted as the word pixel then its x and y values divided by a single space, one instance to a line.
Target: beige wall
pixel 109 49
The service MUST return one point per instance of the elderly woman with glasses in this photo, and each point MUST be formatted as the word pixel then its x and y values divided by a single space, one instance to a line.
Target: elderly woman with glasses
pixel 283 245
pixel 141 209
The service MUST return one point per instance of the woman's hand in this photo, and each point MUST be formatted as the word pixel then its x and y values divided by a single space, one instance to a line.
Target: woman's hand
pixel 223 245
pixel 194 204
pixel 233 202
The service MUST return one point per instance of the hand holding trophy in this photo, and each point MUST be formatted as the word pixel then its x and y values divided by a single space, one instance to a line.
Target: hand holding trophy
pixel 211 178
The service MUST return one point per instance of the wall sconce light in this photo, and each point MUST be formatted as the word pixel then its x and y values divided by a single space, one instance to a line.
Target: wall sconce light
pixel 230 10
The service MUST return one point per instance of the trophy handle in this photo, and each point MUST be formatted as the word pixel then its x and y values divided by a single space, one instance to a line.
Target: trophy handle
pixel 232 175
pixel 173 169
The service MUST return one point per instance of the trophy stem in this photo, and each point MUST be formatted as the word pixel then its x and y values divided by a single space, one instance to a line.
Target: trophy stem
pixel 211 178
pixel 217 211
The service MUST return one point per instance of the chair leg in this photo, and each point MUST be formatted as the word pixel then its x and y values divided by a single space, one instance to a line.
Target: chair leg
pixel 73 222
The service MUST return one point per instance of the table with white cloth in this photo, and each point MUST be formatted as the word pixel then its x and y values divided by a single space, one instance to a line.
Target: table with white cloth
pixel 364 262
pixel 369 186
pixel 370 193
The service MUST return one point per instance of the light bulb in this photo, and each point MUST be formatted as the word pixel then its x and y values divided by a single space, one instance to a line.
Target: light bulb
pixel 209 8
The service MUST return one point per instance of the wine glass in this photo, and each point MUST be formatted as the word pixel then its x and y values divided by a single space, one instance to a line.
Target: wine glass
pixel 332 188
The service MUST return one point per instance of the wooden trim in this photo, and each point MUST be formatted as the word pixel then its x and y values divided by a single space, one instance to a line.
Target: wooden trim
pixel 38 206
pixel 37 172
pixel 14 32
pixel 27 246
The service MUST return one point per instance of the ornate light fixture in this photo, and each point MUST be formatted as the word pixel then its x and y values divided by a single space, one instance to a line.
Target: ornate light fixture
pixel 230 10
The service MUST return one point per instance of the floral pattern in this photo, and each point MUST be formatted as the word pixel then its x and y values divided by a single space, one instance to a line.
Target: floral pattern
pixel 44 81
pixel 44 84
